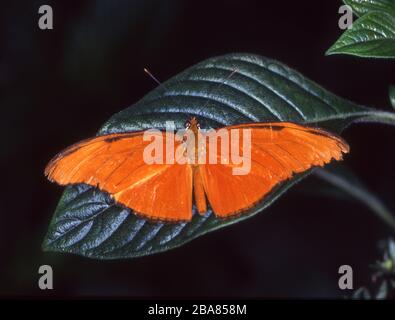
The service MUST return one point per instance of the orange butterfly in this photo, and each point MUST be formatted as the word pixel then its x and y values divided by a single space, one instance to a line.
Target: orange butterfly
pixel 117 164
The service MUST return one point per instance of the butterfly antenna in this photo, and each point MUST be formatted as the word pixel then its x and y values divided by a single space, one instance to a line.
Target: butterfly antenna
pixel 161 85
pixel 219 85
pixel 152 76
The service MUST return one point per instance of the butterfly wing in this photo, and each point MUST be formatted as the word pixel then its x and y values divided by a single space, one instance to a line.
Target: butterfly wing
pixel 278 150
pixel 115 163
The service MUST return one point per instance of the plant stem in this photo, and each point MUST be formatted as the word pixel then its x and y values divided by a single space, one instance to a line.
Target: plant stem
pixel 374 203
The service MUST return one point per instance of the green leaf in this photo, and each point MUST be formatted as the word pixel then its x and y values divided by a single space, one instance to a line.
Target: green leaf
pixel 372 35
pixel 88 223
pixel 382 292
pixel 360 7
pixel 361 294
pixel 392 95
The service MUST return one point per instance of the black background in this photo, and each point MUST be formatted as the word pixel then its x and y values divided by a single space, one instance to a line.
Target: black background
pixel 58 86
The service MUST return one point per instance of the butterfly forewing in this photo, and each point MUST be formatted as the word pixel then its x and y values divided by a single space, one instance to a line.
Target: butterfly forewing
pixel 278 150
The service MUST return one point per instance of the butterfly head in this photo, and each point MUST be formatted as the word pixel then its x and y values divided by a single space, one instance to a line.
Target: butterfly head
pixel 192 124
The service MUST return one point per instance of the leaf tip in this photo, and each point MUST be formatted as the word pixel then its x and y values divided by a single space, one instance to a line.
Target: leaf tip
pixel 46 245
pixel 329 52
pixel 334 49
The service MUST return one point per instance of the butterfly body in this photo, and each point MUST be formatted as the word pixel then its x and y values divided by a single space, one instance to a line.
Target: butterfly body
pixel 231 168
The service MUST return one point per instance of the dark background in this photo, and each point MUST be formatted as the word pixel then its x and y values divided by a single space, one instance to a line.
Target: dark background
pixel 58 86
